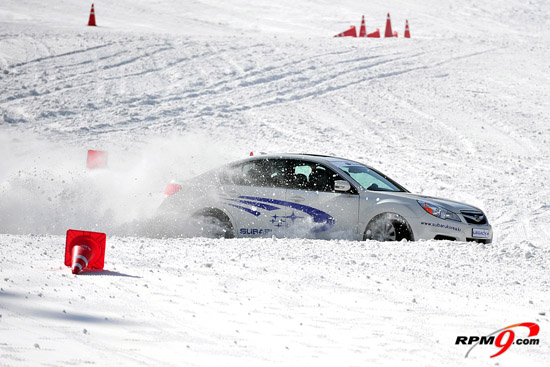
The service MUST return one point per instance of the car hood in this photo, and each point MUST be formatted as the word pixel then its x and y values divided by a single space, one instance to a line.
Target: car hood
pixel 451 205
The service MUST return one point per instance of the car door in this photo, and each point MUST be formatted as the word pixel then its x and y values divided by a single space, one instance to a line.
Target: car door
pixel 316 209
pixel 252 192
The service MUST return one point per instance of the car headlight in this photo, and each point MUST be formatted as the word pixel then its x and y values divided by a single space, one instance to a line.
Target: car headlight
pixel 438 211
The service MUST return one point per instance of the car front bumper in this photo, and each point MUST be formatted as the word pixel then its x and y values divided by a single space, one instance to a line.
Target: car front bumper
pixel 429 227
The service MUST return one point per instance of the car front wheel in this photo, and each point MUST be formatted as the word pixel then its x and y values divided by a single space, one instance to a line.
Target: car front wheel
pixel 388 227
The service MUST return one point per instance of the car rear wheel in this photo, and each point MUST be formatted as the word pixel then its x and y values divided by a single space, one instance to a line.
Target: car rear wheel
pixel 388 227
pixel 214 223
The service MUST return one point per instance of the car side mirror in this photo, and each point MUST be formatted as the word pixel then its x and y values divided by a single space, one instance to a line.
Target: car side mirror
pixel 341 186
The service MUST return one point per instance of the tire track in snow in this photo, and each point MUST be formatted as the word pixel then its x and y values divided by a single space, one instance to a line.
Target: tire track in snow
pixel 310 84
pixel 64 82
pixel 253 81
pixel 136 58
pixel 70 53
pixel 265 76
pixel 467 145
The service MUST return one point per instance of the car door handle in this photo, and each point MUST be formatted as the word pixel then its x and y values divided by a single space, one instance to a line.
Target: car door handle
pixel 297 199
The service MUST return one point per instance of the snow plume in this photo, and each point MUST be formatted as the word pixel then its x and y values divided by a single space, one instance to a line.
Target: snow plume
pixel 45 187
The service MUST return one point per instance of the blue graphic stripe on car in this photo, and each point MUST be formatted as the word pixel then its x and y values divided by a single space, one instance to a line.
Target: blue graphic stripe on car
pixel 258 205
pixel 318 216
pixel 253 212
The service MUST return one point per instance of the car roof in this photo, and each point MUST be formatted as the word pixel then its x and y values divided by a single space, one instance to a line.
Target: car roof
pixel 312 157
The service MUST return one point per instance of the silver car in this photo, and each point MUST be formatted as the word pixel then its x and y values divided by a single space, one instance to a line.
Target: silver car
pixel 303 195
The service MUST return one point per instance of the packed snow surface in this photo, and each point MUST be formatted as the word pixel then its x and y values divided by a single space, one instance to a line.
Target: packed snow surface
pixel 172 89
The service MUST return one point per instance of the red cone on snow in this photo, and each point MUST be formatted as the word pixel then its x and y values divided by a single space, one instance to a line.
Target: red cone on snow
pixel 251 154
pixel 96 159
pixel 375 34
pixel 395 34
pixel 91 21
pixel 84 250
pixel 388 32
pixel 407 30
pixel 363 29
pixel 351 32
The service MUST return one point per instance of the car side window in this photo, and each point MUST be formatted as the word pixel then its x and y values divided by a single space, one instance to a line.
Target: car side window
pixel 231 175
pixel 262 172
pixel 312 176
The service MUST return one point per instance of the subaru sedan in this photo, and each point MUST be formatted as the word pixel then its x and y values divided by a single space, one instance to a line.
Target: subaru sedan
pixel 314 196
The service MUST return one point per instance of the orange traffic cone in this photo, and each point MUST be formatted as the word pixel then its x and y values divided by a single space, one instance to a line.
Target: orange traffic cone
pixel 363 29
pixel 351 32
pixel 407 30
pixel 84 250
pixel 91 22
pixel 388 32
pixel 375 34
pixel 96 159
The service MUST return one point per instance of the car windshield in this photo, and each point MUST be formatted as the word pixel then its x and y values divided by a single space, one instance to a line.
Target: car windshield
pixel 369 178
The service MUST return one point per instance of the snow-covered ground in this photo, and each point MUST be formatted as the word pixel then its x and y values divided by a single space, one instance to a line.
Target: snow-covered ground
pixel 172 89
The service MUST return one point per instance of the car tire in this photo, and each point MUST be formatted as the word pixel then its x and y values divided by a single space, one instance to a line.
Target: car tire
pixel 388 227
pixel 214 223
